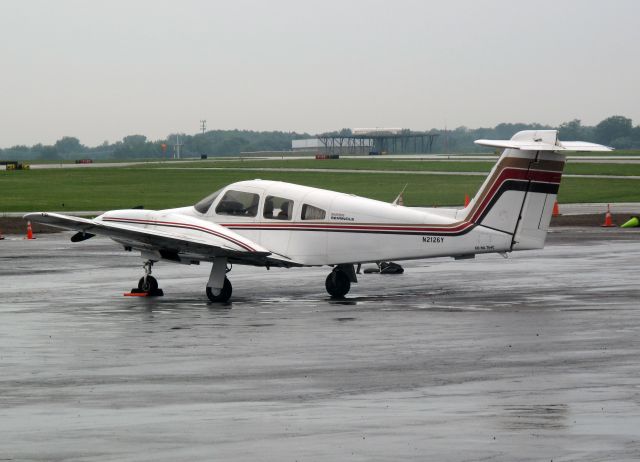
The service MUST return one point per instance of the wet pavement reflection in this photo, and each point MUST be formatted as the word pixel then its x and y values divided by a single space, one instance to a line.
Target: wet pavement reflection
pixel 530 358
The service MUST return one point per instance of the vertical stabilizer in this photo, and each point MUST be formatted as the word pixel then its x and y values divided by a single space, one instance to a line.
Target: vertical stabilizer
pixel 518 195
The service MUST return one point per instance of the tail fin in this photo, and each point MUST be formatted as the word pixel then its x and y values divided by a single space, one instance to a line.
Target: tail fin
pixel 518 195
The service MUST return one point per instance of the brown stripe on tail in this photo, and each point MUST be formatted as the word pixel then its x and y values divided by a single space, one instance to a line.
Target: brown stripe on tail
pixel 516 192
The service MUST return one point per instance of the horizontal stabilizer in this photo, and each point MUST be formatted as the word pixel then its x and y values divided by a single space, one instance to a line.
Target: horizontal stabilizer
pixel 533 146
pixel 542 140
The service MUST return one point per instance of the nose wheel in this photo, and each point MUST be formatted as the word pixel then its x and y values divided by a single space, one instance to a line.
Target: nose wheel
pixel 147 285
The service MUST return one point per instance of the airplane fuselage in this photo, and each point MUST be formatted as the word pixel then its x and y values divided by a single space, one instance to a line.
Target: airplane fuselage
pixel 322 227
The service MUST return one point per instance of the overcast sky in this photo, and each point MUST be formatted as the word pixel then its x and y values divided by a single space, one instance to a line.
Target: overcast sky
pixel 100 70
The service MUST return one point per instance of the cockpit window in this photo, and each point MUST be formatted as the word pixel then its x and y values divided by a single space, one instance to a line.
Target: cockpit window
pixel 238 203
pixel 278 208
pixel 309 212
pixel 204 204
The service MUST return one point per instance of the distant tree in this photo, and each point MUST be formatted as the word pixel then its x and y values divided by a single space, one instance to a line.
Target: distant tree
pixel 613 128
pixel 19 148
pixel 571 131
pixel 131 147
pixel 49 153
pixel 134 140
pixel 199 144
pixel 624 142
pixel 233 145
pixel 69 145
pixel 635 136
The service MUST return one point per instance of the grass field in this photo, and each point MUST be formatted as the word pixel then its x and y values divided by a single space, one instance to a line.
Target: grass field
pixel 406 165
pixel 110 188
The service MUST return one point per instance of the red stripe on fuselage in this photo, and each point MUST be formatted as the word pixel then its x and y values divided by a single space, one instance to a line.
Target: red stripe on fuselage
pixel 181 225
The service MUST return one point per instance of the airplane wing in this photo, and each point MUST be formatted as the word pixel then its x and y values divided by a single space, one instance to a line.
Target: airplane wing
pixel 172 237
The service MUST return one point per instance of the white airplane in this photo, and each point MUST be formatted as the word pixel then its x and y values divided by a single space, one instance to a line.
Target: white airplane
pixel 277 224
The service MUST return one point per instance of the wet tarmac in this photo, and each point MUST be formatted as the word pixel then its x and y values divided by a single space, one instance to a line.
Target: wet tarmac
pixel 536 357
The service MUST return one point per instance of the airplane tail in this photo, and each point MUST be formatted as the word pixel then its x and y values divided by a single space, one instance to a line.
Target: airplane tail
pixel 518 195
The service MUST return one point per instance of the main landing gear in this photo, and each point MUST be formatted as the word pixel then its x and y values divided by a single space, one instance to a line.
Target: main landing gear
pixel 221 295
pixel 339 280
pixel 218 287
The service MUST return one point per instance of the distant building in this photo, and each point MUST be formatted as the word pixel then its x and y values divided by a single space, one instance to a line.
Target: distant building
pixel 379 131
pixel 380 140
pixel 309 144
pixel 317 144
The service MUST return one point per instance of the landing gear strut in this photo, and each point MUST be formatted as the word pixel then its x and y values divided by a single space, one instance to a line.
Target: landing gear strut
pixel 148 284
pixel 219 287
pixel 339 281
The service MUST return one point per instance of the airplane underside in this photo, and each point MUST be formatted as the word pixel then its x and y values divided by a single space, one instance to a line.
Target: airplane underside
pixel 414 246
pixel 337 283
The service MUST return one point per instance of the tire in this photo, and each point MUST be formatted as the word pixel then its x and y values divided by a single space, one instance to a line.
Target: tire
pixel 223 296
pixel 337 284
pixel 150 286
pixel 390 268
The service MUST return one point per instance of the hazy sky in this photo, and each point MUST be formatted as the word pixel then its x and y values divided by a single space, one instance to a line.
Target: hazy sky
pixel 100 70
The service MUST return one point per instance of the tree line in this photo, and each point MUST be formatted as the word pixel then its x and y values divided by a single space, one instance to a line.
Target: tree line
pixel 212 143
pixel 615 131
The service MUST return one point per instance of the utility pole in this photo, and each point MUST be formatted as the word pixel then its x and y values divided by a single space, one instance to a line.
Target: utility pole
pixel 203 126
pixel 176 147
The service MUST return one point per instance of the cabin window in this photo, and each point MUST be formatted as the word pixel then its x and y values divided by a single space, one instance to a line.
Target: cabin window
pixel 309 212
pixel 205 203
pixel 278 208
pixel 238 203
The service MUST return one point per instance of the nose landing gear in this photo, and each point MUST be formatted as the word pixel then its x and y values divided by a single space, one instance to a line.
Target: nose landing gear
pixel 147 285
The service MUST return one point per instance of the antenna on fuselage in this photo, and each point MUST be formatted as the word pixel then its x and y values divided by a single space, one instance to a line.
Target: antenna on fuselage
pixel 400 199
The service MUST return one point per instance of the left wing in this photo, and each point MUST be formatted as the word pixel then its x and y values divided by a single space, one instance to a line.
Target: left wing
pixel 170 236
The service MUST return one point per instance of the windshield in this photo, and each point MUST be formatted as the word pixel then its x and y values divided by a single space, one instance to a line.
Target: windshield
pixel 205 203
pixel 240 203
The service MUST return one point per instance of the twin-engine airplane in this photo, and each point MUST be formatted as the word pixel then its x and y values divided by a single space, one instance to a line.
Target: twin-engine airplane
pixel 276 224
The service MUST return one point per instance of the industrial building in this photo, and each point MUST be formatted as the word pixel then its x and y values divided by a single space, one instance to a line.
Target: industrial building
pixel 368 141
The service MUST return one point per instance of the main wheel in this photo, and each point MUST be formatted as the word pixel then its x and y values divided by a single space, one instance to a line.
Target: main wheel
pixel 150 285
pixel 337 284
pixel 223 295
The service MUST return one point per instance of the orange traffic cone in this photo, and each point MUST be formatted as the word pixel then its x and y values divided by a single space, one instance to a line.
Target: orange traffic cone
pixel 29 231
pixel 556 209
pixel 466 200
pixel 608 221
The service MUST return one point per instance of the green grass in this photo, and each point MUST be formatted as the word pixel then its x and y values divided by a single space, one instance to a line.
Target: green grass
pixel 603 169
pixel 344 164
pixel 616 152
pixel 390 165
pixel 111 188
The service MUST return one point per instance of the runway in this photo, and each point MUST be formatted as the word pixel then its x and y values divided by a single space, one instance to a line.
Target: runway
pixel 534 357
